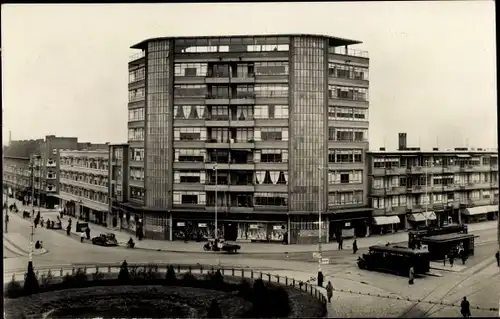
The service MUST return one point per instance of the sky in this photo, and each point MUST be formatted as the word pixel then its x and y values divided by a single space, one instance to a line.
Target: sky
pixel 65 66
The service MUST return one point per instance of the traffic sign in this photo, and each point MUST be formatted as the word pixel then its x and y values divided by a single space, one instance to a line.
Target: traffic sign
pixel 325 261
pixel 316 255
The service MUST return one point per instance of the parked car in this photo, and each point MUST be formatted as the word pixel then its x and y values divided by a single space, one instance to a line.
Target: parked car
pixel 108 239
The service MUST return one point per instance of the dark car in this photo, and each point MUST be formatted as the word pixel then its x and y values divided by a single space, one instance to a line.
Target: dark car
pixel 107 239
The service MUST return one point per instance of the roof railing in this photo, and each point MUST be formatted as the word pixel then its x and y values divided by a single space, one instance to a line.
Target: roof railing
pixel 350 52
pixel 137 56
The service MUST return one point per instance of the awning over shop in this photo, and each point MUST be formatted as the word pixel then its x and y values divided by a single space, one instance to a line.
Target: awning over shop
pixel 417 217
pixel 463 155
pixel 386 220
pixel 430 215
pixel 473 211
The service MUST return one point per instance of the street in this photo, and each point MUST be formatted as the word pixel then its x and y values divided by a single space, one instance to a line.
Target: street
pixel 478 279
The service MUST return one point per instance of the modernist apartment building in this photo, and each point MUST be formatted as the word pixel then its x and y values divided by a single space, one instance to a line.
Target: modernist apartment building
pixel 84 182
pixel 265 130
pixel 412 187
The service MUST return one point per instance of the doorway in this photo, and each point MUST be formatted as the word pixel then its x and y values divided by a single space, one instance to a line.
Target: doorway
pixel 230 231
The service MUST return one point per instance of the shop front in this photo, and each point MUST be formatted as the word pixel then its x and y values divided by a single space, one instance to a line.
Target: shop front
pixel 349 224
pixel 304 230
pixel 385 224
pixel 479 213
pixel 263 232
pixel 418 220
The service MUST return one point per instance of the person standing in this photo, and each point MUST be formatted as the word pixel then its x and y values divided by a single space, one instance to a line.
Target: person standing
pixel 355 246
pixel 87 233
pixel 329 291
pixel 465 308
pixel 497 256
pixel 82 236
pixel 411 275
pixel 6 222
pixel 451 258
pixel 320 278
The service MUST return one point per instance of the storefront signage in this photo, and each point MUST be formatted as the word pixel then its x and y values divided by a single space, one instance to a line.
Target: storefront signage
pixel 202 225
pixel 348 224
pixel 254 226
pixel 181 224
pixel 278 227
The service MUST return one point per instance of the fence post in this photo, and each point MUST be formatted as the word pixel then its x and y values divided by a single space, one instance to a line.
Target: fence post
pixel 232 272
pixel 73 271
pixel 251 273
pixel 269 277
pixel 286 281
pixel 189 269
pixel 96 269
pixel 178 269
pixel 61 272
pixel 278 279
pixel 213 270
pixel 109 269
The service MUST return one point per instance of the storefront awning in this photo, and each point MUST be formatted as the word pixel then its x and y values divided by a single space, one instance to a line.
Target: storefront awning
pixel 386 220
pixel 430 215
pixel 479 210
pixel 417 217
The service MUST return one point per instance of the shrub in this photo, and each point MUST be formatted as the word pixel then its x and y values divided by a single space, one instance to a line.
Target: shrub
pixel 46 279
pixel 281 302
pixel 245 289
pixel 214 310
pixel 31 284
pixel 170 276
pixel 14 288
pixel 97 275
pixel 151 272
pixel 189 279
pixel 123 275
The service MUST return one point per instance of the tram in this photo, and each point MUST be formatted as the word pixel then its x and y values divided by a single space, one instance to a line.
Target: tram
pixel 415 236
pixel 440 245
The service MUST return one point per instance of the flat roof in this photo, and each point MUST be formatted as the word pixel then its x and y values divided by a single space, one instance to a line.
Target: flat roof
pixel 447 237
pixel 334 41
pixel 17 157
pixel 399 249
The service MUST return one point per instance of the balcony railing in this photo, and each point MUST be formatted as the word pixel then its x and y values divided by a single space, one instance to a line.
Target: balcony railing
pixel 137 56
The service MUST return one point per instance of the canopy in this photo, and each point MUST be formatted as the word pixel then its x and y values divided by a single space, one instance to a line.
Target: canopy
pixel 386 220
pixel 479 210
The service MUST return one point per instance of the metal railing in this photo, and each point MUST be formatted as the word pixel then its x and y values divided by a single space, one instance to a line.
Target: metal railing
pixel 137 56
pixel 250 274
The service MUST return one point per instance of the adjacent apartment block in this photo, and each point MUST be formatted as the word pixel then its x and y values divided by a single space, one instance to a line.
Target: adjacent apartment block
pixel 84 183
pixel 16 176
pixel 258 132
pixel 409 188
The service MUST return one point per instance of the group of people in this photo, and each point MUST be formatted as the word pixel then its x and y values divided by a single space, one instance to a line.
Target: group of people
pixel 455 252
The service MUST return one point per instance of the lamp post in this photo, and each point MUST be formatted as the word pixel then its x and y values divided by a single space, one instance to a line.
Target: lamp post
pixel 320 207
pixel 32 236
pixel 216 226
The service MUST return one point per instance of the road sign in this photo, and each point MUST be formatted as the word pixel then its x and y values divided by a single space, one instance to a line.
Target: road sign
pixel 316 255
pixel 325 261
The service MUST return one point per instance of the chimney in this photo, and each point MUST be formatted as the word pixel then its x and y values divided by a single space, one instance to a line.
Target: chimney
pixel 435 149
pixel 402 142
pixel 382 149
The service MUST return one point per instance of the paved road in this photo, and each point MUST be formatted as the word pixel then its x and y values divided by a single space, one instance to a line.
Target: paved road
pixel 477 280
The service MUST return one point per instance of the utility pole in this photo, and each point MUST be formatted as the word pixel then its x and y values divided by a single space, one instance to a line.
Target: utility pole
pixel 320 223
pixel 426 191
pixel 216 226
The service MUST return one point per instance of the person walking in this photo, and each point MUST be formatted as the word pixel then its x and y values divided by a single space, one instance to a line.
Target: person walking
pixel 451 258
pixel 411 276
pixel 6 222
pixel 87 233
pixel 465 308
pixel 463 256
pixel 497 256
pixel 355 246
pixel 329 291
pixel 82 236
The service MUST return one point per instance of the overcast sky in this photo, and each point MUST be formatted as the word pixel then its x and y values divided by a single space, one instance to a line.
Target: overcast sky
pixel 432 64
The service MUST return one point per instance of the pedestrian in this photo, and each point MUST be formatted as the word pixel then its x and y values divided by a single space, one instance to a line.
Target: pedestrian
pixel 68 229
pixel 87 233
pixel 329 291
pixel 465 308
pixel 411 275
pixel 354 246
pixel 497 256
pixel 82 236
pixel 463 256
pixel 451 258
pixel 320 278
pixel 444 260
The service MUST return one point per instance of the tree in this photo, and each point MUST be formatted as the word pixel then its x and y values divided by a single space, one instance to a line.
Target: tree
pixel 31 285
pixel 123 275
pixel 170 278
pixel 214 310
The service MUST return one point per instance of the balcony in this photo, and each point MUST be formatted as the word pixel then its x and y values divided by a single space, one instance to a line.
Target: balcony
pixel 242 144
pixel 242 188
pixel 395 171
pixel 213 143
pixel 378 192
pixel 248 78
pixel 217 121
pixel 51 163
pixel 396 190
pixel 237 122
pixel 417 170
pixel 211 187
pixel 220 166
pixel 137 56
pixel 248 166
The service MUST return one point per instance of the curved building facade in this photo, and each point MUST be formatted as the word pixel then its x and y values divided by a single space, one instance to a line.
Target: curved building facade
pixel 260 132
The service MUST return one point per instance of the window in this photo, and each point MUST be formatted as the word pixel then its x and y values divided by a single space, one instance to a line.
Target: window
pixel 137 173
pixel 190 134
pixel 137 193
pixel 136 75
pixel 271 90
pixel 198 198
pixel 244 135
pixel 271 68
pixel 346 134
pixel 271 199
pixel 271 112
pixel 219 113
pixel 220 135
pixel 190 69
pixel 190 155
pixel 190 90
pixel 347 93
pixel 273 134
pixel 219 92
pixel 347 71
pixel 271 156
pixel 345 177
pixel 345 198
pixel 245 91
pixel 193 177
pixel 136 95
pixel 189 112
pixel 136 114
pixel 243 113
pixel 271 177
pixel 268 48
pixel 136 134
pixel 347 113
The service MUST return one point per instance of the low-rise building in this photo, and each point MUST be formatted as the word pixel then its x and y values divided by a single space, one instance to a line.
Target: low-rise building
pixel 408 188
pixel 16 176
pixel 83 184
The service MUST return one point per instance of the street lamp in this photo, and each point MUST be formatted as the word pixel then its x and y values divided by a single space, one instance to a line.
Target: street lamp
pixel 320 250
pixel 216 226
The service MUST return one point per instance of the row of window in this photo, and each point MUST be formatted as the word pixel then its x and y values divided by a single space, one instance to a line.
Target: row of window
pixel 345 177
pixel 347 134
pixel 223 113
pixel 345 155
pixel 347 93
pixel 225 92
pixel 223 178
pixel 92 163
pixel 136 75
pixel 259 156
pixel 345 71
pixel 462 160
pixel 137 173
pixel 445 180
pixel 224 70
pixel 232 48
pixel 222 135
pixel 347 113
pixel 136 114
pixel 136 95
pixel 137 154
pixel 86 178
pixel 85 193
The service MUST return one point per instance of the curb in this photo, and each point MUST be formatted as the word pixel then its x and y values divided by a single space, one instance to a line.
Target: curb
pixel 43 250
